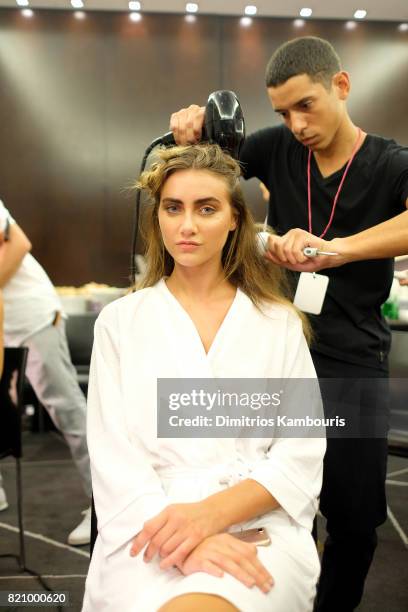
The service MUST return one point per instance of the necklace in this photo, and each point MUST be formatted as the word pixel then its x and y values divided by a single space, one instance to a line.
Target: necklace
pixel 336 197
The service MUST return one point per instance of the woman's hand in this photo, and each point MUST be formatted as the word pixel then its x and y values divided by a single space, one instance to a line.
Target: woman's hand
pixel 175 532
pixel 223 552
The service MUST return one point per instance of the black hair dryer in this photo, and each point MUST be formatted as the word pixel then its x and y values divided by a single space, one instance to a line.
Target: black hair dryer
pixel 223 123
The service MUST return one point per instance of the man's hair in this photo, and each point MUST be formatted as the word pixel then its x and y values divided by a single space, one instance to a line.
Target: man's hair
pixel 308 55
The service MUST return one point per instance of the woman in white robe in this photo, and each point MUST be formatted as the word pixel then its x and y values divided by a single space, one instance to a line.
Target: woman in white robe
pixel 177 498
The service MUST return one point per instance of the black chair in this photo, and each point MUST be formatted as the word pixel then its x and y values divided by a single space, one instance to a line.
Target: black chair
pixel 11 405
pixel 79 330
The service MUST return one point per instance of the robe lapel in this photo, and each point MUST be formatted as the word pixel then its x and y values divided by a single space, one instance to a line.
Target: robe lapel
pixel 183 339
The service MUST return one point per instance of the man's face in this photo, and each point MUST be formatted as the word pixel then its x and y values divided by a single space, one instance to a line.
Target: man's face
pixel 311 112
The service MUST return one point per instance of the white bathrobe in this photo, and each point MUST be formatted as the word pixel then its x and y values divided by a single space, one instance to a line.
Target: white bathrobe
pixel 135 474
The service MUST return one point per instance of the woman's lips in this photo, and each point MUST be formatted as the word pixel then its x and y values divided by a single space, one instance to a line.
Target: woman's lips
pixel 188 246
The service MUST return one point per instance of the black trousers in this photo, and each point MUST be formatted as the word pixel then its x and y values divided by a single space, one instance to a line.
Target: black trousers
pixel 353 492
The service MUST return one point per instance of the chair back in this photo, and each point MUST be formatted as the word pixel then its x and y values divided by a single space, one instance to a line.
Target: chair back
pixel 79 329
pixel 11 394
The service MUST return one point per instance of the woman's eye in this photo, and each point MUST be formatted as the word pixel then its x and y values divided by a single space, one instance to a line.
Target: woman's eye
pixel 207 210
pixel 173 208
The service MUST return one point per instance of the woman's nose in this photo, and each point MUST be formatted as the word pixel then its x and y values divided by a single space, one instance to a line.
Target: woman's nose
pixel 188 224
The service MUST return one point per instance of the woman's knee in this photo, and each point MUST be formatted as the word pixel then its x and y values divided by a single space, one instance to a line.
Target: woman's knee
pixel 198 602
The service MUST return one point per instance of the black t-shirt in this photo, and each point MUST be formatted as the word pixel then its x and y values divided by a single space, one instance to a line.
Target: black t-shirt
pixel 350 326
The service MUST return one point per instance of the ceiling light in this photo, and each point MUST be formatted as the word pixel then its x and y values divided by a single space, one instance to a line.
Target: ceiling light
pixel 27 12
pixel 250 9
pixel 245 21
pixel 191 7
pixel 403 27
pixel 350 25
pixel 135 17
pixel 22 2
pixel 299 23
pixel 134 6
pixel 79 15
pixel 360 14
pixel 190 18
pixel 305 12
pixel 77 4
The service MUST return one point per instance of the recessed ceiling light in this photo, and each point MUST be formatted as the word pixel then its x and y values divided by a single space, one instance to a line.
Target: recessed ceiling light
pixel 134 6
pixel 403 27
pixel 191 7
pixel 22 2
pixel 190 18
pixel 79 14
pixel 299 23
pixel 135 17
pixel 27 12
pixel 305 12
pixel 350 25
pixel 250 9
pixel 360 14
pixel 245 21
pixel 77 4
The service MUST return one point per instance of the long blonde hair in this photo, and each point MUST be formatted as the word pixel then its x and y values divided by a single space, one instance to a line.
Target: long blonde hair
pixel 244 266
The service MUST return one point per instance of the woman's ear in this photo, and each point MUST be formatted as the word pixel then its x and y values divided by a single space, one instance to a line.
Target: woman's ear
pixel 234 221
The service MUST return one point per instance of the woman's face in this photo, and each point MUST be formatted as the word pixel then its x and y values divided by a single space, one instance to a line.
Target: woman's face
pixel 195 217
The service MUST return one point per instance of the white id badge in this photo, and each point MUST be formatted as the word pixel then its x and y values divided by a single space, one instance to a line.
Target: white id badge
pixel 310 292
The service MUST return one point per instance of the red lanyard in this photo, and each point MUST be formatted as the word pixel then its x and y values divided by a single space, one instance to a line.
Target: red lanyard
pixel 336 197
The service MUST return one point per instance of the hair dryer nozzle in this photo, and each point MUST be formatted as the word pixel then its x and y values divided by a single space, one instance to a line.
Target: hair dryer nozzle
pixel 224 121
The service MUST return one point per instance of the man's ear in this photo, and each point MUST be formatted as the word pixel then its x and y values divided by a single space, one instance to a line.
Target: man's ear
pixel 341 83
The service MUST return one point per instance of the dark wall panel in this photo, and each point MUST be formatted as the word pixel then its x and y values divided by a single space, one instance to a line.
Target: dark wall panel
pixel 81 100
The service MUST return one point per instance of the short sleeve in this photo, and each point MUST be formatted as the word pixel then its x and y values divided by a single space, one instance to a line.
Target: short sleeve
pixel 399 175
pixel 257 153
pixel 126 489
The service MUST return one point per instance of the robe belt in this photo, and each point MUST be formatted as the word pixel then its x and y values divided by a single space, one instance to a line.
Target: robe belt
pixel 227 474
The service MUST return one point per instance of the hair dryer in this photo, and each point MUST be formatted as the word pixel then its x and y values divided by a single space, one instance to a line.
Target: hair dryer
pixel 223 123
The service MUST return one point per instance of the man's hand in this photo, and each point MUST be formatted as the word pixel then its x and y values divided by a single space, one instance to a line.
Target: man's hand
pixel 287 251
pixel 175 532
pixel 223 552
pixel 187 124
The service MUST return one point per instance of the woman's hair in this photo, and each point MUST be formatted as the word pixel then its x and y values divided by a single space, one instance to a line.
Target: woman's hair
pixel 244 266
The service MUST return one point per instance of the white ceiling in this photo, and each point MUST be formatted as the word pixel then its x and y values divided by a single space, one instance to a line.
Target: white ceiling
pixel 383 10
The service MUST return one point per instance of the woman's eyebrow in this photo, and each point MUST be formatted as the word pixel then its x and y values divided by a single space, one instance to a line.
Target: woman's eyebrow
pixel 198 201
pixel 204 200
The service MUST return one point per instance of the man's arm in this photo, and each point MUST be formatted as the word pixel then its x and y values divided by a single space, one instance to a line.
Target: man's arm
pixel 12 253
pixel 387 239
